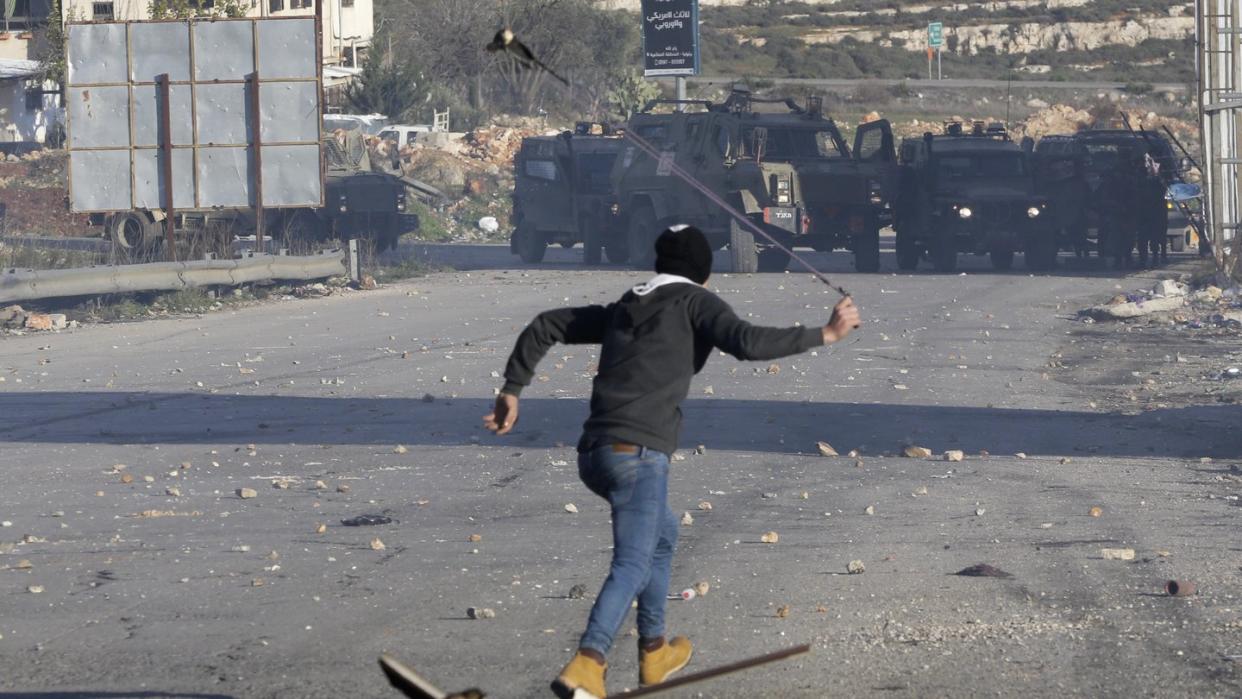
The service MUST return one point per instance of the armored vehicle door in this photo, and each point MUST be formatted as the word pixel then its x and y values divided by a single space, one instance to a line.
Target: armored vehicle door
pixel 542 192
pixel 877 159
pixel 873 143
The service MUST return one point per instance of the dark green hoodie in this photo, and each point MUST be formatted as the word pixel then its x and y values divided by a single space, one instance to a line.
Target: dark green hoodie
pixel 654 340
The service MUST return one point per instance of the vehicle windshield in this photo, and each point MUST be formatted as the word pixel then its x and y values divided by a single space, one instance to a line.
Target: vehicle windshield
pixel 793 143
pixel 980 166
pixel 1103 157
pixel 595 172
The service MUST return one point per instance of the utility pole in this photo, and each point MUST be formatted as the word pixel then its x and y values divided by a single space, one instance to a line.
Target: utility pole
pixel 681 92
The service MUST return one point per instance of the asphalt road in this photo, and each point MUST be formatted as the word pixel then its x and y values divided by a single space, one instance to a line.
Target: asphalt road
pixel 178 587
pixel 947 84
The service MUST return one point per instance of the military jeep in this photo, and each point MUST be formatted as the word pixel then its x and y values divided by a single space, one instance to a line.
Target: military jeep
pixel 970 192
pixel 790 172
pixel 562 192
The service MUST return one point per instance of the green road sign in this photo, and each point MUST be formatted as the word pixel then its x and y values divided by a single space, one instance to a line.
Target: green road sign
pixel 935 34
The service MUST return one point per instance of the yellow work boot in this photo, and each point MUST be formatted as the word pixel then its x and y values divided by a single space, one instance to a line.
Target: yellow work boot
pixel 582 678
pixel 658 665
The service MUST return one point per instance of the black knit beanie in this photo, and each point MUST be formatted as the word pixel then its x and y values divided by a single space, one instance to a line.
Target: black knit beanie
pixel 684 251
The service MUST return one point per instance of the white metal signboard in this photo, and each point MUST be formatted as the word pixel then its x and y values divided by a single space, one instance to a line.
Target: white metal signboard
pixel 230 147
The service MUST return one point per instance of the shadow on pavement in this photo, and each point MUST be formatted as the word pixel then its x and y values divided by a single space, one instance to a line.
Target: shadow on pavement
pixel 145 694
pixel 466 257
pixel 115 417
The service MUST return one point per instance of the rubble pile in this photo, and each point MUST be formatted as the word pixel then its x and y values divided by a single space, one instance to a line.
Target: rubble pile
pixel 1175 303
pixel 496 146
pixel 1055 119
pixel 15 319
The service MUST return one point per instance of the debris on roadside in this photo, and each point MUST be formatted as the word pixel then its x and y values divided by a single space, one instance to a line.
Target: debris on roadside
pixel 825 449
pixel 571 508
pixel 367 521
pixel 913 452
pixel 578 591
pixel 480 613
pixel 687 519
pixel 247 493
pixel 377 544
pixel 954 455
pixel 983 570
pixel 1181 588
pixel 1117 554
pixel 856 568
pixel 770 538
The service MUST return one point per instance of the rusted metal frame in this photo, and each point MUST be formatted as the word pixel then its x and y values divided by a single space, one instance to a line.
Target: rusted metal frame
pixel 257 137
pixel 129 115
pixel 165 116
pixel 194 152
pixel 323 166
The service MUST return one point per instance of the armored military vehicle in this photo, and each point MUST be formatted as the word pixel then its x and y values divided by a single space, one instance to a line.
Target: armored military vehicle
pixel 970 191
pixel 791 172
pixel 1073 171
pixel 562 193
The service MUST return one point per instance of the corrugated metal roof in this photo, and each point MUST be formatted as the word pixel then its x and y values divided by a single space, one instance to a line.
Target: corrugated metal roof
pixel 13 68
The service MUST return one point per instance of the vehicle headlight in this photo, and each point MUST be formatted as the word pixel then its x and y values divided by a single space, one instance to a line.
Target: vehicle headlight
pixel 965 212
pixel 784 190
pixel 1033 212
pixel 875 193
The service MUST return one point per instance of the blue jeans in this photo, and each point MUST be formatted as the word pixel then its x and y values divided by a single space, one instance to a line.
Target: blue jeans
pixel 644 535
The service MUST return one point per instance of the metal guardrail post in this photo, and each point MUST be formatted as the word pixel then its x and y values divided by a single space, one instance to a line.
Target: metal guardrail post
pixel 355 266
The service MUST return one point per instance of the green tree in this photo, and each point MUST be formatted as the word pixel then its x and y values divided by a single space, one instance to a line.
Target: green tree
pixel 52 52
pixel 631 92
pixel 386 86
pixel 184 9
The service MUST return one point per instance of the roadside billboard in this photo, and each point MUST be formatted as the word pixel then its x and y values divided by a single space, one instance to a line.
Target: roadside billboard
pixel 240 126
pixel 670 37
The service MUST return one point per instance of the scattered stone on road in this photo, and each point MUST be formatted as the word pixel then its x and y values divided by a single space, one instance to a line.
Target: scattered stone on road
pixel 1117 554
pixel 856 568
pixel 825 449
pixel 913 452
pixel 770 538
pixel 247 493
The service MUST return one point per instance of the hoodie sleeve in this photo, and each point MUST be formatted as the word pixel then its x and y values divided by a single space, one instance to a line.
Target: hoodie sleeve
pixel 714 320
pixel 570 326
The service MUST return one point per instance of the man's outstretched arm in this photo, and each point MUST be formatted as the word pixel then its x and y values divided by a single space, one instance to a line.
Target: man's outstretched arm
pixel 569 326
pixel 754 342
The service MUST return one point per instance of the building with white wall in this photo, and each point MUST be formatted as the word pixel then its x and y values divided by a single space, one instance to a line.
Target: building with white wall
pixel 348 25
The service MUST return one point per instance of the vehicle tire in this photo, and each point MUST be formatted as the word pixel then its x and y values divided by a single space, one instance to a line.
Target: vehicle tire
pixel 867 251
pixel 133 234
pixel 773 260
pixel 1177 243
pixel 531 245
pixel 1041 252
pixel 907 252
pixel 1002 257
pixel 617 250
pixel 944 254
pixel 640 237
pixel 592 245
pixel 742 249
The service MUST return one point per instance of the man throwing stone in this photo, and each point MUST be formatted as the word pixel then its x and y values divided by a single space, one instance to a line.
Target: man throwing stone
pixel 654 340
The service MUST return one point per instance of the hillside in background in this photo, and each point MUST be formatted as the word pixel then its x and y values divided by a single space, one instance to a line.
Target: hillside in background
pixel 1107 40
